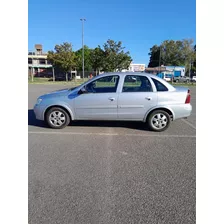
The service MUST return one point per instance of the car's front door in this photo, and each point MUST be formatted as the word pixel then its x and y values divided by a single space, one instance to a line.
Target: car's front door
pixel 100 100
pixel 136 98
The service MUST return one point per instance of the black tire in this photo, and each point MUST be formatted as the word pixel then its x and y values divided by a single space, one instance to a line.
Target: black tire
pixel 60 120
pixel 177 80
pixel 163 121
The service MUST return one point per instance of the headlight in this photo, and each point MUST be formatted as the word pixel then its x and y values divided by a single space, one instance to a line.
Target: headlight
pixel 38 101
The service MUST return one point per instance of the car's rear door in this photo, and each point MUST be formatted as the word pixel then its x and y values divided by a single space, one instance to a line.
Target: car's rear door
pixel 136 97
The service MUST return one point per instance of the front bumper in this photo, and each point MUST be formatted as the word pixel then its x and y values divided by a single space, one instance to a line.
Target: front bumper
pixel 39 112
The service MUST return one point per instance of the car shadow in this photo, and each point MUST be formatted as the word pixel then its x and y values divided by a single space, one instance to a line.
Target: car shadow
pixel 111 124
pixel 32 121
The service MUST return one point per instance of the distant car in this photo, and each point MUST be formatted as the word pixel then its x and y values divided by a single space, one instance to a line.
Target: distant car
pixel 193 79
pixel 181 79
pixel 167 77
pixel 111 96
pixel 60 78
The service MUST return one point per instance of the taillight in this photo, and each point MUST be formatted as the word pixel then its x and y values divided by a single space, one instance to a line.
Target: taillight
pixel 188 99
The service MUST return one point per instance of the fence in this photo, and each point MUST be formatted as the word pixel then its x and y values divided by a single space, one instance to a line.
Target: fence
pixel 59 76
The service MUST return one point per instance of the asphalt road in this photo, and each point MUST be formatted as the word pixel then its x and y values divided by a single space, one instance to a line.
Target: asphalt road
pixel 111 172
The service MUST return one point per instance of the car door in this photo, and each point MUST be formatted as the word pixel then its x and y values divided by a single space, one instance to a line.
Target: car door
pixel 100 100
pixel 136 98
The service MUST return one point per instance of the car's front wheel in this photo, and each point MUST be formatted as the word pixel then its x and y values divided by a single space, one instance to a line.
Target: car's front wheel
pixel 57 118
pixel 158 120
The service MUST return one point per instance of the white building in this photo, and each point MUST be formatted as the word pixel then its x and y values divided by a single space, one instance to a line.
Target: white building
pixel 177 70
pixel 38 65
pixel 135 68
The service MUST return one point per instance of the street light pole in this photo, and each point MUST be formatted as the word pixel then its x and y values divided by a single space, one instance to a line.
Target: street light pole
pixel 53 73
pixel 159 58
pixel 190 69
pixel 32 73
pixel 83 64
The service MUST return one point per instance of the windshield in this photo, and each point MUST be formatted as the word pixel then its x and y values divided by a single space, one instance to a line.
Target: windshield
pixel 73 88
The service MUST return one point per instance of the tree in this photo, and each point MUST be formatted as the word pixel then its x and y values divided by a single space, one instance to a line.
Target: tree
pixel 97 59
pixel 87 58
pixel 114 56
pixel 193 69
pixel 189 54
pixel 154 56
pixel 64 58
pixel 170 52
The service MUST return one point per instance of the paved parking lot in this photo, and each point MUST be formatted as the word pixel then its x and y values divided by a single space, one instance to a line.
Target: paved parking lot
pixel 111 172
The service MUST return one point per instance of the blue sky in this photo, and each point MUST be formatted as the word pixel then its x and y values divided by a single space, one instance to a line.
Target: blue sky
pixel 138 24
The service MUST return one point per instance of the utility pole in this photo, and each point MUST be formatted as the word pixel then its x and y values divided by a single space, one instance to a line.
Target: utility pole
pixel 53 73
pixel 159 58
pixel 83 63
pixel 190 70
pixel 32 73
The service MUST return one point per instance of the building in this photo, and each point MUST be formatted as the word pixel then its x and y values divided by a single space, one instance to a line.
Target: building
pixel 171 70
pixel 155 70
pixel 178 70
pixel 135 68
pixel 38 64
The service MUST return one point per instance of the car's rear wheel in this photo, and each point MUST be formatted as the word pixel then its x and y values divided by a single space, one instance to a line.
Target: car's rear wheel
pixel 57 118
pixel 158 120
pixel 177 80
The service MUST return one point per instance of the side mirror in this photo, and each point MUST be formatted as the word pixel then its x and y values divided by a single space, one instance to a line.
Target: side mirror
pixel 83 90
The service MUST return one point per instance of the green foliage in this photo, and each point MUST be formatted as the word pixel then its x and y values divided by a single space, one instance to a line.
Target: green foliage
pixel 111 58
pixel 170 52
pixel 63 58
pixel 97 58
pixel 87 57
pixel 193 68
pixel 154 56
pixel 115 57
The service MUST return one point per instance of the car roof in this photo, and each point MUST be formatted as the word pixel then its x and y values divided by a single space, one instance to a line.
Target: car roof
pixel 127 73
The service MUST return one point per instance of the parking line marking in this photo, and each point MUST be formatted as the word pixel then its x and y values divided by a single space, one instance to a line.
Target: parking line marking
pixel 165 136
pixel 110 134
pixel 187 122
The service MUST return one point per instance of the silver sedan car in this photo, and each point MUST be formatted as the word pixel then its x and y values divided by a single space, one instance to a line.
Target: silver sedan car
pixel 125 96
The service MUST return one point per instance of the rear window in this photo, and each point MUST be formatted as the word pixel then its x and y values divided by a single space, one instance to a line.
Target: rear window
pixel 159 86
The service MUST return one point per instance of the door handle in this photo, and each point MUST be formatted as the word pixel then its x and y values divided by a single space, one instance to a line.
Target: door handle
pixel 111 98
pixel 148 98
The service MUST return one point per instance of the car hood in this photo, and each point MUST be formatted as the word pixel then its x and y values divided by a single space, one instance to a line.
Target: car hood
pixel 57 93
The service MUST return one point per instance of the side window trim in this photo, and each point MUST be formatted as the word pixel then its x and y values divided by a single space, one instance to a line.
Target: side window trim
pixel 154 89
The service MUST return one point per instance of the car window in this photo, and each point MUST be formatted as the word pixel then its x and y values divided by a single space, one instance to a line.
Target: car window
pixel 106 84
pixel 135 83
pixel 159 86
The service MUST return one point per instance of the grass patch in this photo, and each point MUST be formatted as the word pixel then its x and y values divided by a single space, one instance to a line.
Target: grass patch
pixel 38 80
pixel 184 84
pixel 47 81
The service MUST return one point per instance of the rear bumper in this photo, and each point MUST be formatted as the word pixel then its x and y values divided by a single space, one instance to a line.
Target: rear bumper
pixel 181 111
